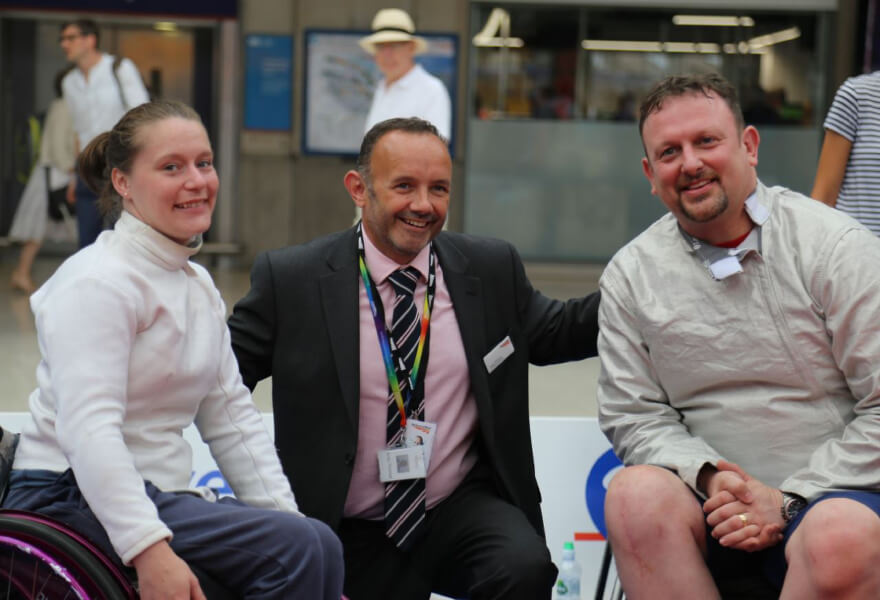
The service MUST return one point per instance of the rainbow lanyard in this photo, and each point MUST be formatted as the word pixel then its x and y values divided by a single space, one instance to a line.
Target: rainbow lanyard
pixel 386 343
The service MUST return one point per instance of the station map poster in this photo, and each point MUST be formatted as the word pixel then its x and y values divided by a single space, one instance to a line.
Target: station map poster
pixel 268 79
pixel 339 82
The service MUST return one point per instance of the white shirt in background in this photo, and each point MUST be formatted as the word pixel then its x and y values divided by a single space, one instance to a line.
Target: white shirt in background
pixel 95 102
pixel 416 94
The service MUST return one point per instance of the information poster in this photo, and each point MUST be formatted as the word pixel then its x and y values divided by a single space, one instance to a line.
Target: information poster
pixel 268 82
pixel 340 78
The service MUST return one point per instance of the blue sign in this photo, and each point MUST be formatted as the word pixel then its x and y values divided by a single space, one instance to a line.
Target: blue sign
pixel 595 491
pixel 268 79
pixel 214 480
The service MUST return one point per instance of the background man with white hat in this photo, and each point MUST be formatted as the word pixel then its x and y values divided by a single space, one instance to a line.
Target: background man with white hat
pixel 406 90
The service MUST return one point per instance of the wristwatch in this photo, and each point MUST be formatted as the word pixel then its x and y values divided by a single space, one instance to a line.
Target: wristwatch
pixel 792 505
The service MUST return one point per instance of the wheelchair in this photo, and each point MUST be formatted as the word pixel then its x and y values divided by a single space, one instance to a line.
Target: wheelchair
pixel 41 559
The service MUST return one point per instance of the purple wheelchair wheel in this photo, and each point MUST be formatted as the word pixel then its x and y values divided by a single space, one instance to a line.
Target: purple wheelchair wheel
pixel 42 559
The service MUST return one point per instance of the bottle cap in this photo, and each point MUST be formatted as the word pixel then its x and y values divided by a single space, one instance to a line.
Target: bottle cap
pixel 568 546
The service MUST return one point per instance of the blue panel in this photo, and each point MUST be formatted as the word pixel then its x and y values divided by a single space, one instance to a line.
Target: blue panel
pixel 268 78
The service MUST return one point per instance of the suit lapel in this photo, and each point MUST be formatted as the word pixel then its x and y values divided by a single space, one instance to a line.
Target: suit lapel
pixel 466 292
pixel 339 297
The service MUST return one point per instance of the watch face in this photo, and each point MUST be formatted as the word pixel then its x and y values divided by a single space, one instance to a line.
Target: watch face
pixel 792 506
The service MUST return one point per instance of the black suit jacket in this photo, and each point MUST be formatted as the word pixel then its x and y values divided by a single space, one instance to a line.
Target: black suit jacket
pixel 299 323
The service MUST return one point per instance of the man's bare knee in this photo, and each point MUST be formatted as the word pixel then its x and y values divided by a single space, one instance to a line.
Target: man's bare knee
pixel 835 546
pixel 646 503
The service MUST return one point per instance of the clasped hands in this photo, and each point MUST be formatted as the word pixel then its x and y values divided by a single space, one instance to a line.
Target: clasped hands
pixel 744 513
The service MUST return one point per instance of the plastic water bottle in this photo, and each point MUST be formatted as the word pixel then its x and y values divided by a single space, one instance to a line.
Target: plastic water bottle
pixel 568 586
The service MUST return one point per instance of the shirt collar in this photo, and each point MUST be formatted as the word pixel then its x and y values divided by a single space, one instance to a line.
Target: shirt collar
pixel 756 208
pixel 99 65
pixel 380 266
pixel 724 262
pixel 162 248
pixel 408 78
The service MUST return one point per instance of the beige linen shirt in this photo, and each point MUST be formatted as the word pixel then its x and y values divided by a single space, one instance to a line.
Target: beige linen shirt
pixel 776 368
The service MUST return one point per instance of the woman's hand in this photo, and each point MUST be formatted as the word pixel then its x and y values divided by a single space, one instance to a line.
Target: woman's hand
pixel 162 575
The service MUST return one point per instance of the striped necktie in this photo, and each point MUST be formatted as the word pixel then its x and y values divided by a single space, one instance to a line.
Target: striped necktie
pixel 405 499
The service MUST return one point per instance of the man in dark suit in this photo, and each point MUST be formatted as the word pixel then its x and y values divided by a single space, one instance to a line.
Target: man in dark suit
pixel 328 321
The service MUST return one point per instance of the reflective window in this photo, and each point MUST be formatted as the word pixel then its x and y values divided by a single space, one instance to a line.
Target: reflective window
pixel 597 63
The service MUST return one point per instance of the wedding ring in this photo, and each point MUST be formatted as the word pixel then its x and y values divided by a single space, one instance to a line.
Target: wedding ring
pixel 743 518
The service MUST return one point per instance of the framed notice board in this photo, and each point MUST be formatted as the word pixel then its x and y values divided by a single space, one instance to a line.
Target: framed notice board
pixel 340 79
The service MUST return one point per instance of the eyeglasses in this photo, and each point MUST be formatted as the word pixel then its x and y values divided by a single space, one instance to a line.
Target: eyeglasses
pixel 69 37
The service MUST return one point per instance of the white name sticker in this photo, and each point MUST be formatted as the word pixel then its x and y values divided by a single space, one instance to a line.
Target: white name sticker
pixel 498 354
pixel 724 268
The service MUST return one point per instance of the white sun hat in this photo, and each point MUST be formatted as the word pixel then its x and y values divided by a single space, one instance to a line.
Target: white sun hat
pixel 392 25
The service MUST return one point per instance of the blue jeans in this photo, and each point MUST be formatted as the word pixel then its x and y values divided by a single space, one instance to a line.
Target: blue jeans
pixel 255 553
pixel 89 222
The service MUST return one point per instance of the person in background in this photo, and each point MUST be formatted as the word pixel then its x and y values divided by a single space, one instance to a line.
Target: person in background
pixel 97 96
pixel 134 349
pixel 52 171
pixel 394 329
pixel 739 378
pixel 848 174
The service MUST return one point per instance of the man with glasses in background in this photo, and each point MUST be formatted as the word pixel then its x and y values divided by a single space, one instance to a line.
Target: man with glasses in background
pixel 98 90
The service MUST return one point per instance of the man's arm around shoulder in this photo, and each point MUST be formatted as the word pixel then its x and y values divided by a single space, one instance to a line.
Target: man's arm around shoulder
pixel 252 324
pixel 557 330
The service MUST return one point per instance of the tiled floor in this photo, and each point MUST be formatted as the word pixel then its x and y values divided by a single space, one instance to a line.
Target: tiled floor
pixel 560 390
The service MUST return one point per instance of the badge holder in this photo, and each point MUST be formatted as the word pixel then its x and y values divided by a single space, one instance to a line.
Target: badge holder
pixel 397 464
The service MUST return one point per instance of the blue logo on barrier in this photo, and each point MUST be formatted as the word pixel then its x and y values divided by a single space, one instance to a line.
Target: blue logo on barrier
pixel 595 490
pixel 214 480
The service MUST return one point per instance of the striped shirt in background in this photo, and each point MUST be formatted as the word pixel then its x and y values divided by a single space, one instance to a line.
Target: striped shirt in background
pixel 855 114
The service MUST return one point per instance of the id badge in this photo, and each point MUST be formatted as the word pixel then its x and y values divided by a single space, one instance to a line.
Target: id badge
pixel 396 464
pixel 420 434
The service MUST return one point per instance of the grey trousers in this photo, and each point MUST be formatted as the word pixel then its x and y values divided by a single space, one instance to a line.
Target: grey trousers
pixel 252 552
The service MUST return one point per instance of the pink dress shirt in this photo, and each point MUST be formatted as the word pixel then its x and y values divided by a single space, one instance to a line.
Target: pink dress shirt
pixel 449 401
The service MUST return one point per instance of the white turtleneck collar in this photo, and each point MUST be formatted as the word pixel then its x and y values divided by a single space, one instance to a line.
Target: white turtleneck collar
pixel 166 251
